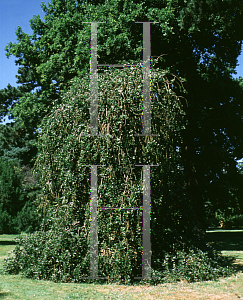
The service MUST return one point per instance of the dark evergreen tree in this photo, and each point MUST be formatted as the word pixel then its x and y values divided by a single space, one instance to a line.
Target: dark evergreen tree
pixel 18 186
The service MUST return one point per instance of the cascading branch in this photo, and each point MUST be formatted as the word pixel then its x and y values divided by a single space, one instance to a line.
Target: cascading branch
pixel 65 147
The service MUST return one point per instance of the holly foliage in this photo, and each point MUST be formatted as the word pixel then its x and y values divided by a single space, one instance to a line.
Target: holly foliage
pixel 198 41
pixel 66 150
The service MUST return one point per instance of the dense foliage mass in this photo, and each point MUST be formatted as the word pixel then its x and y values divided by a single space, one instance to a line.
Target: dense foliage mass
pixel 197 177
pixel 66 150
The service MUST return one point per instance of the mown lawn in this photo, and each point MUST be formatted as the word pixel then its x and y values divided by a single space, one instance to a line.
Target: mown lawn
pixel 229 242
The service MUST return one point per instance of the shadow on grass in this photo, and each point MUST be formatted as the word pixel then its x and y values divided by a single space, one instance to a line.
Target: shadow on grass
pixel 4 295
pixel 5 243
pixel 226 240
pixel 238 267
pixel 235 263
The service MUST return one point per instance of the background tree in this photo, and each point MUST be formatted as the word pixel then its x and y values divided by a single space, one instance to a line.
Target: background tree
pixel 18 187
pixel 11 196
pixel 200 42
pixel 16 143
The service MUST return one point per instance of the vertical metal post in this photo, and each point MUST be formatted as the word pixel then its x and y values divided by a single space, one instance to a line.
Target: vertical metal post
pixel 93 81
pixel 146 223
pixel 93 225
pixel 146 269
pixel 146 79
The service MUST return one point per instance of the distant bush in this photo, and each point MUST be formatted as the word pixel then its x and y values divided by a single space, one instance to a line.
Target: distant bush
pixel 6 224
pixel 11 194
pixel 225 221
pixel 18 193
pixel 27 220
pixel 234 222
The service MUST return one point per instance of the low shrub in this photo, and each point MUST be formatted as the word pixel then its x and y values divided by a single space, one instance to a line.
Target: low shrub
pixel 195 265
pixel 60 257
pixel 50 256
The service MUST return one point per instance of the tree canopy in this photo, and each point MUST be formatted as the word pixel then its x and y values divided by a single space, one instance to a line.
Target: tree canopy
pixel 197 41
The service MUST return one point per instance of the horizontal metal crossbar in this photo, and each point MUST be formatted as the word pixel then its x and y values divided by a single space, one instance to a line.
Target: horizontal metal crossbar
pixel 120 208
pixel 110 65
pixel 88 277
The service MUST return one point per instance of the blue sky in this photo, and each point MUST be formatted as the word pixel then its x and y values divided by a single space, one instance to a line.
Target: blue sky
pixel 14 13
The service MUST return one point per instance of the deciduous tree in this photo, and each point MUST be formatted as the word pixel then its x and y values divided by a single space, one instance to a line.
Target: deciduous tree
pixel 199 40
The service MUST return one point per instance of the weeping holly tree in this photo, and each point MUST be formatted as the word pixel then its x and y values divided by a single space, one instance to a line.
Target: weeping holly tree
pixel 67 150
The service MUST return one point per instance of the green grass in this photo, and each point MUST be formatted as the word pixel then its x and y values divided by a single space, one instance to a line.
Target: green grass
pixel 229 242
pixel 6 245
